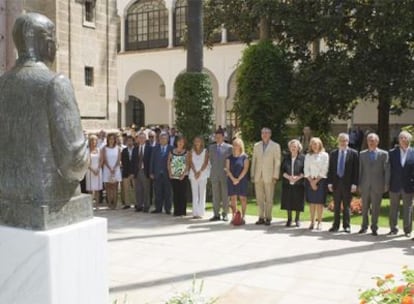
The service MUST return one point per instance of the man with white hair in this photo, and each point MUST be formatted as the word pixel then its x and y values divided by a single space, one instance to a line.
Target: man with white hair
pixel 402 183
pixel 374 178
pixel 343 181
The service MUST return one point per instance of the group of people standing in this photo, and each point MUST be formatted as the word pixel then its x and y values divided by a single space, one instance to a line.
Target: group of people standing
pixel 343 172
pixel 167 167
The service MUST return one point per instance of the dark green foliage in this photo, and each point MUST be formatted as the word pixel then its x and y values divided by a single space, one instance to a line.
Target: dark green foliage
pixel 262 97
pixel 322 90
pixel 371 45
pixel 193 104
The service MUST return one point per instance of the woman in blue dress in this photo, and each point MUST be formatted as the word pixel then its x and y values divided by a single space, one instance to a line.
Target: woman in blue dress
pixel 237 166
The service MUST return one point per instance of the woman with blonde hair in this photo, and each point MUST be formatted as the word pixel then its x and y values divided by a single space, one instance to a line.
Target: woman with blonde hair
pixel 237 166
pixel 111 163
pixel 316 171
pixel 94 173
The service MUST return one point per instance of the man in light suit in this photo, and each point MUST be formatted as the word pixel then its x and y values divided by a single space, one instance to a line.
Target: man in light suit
pixel 218 153
pixel 343 181
pixel 374 177
pixel 402 183
pixel 265 173
pixel 141 158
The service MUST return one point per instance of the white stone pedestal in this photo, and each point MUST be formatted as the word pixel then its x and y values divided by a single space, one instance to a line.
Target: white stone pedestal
pixel 66 265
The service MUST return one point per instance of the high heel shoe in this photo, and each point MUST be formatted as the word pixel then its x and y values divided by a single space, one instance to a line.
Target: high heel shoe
pixel 319 226
pixel 311 226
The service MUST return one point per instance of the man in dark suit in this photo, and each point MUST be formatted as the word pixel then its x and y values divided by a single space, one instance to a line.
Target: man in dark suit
pixel 374 179
pixel 342 181
pixel 159 173
pixel 402 183
pixel 127 173
pixel 172 140
pixel 141 157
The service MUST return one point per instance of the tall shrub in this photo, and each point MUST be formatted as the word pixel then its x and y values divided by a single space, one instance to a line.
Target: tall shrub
pixel 263 86
pixel 193 104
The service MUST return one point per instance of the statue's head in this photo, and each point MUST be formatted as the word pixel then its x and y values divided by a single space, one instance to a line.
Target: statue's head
pixel 34 37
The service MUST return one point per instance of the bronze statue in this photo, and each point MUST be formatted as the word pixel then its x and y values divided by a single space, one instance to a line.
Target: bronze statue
pixel 43 151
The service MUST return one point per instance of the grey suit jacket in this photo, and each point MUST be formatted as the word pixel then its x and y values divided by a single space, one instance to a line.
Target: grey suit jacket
pixel 218 160
pixel 374 175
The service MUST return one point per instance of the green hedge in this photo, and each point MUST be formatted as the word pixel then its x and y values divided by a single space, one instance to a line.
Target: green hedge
pixel 193 105
pixel 263 91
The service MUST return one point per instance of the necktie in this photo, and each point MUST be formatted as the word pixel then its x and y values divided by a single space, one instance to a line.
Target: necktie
pixel 341 165
pixel 141 154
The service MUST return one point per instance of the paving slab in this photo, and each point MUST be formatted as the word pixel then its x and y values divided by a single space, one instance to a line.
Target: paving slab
pixel 155 256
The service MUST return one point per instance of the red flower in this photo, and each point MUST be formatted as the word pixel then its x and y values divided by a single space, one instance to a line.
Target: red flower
pixel 399 289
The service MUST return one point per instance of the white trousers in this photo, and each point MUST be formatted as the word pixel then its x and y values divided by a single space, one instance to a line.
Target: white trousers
pixel 198 190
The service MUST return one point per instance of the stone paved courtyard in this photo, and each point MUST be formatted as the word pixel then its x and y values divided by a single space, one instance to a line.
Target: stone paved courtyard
pixel 153 257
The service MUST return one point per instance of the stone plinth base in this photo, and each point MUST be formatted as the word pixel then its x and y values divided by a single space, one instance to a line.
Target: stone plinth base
pixel 44 217
pixel 66 265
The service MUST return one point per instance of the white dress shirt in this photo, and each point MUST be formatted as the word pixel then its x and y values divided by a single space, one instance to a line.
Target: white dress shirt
pixel 316 165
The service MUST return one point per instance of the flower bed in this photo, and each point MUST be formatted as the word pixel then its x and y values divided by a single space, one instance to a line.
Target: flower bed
pixel 355 206
pixel 389 290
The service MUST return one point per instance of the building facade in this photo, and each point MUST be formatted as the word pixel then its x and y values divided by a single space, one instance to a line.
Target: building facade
pixel 86 32
pixel 152 56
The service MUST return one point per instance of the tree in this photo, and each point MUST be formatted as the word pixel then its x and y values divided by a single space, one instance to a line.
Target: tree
pixel 373 41
pixel 379 37
pixel 295 25
pixel 263 86
pixel 195 36
pixel 193 93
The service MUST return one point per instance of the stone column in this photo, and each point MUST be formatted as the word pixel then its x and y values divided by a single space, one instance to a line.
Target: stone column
pixel 221 115
pixel 171 111
pixel 122 29
pixel 171 26
pixel 123 112
pixel 223 34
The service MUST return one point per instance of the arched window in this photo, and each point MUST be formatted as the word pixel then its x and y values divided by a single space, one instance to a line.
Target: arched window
pixel 146 25
pixel 180 22
pixel 138 111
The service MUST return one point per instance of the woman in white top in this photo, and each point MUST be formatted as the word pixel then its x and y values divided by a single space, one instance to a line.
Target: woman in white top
pixel 199 173
pixel 111 160
pixel 94 181
pixel 316 171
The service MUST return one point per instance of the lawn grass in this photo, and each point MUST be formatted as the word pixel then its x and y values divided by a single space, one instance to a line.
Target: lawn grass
pixel 327 215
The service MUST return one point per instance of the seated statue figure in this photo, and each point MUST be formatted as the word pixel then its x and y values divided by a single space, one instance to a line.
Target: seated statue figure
pixel 43 151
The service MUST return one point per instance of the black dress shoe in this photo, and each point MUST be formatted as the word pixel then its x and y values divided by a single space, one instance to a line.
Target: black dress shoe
pixel 267 222
pixel 333 229
pixel 297 224
pixel 214 218
pixel 408 234
pixel 225 218
pixel 260 221
pixel 362 231
pixel 155 211
pixel 145 210
pixel 168 212
pixel 374 233
pixel 288 223
pixel 347 230
pixel 139 209
pixel 126 207
pixel 392 232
